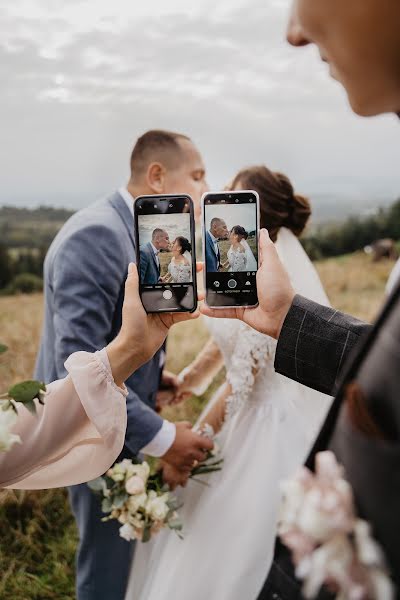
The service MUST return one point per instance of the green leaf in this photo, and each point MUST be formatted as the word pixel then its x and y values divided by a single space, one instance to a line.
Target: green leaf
pixel 27 391
pixel 97 485
pixel 146 534
pixel 120 500
pixel 106 505
pixel 3 348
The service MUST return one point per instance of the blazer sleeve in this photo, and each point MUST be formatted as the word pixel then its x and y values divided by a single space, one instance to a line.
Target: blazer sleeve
pixel 88 277
pixel 144 260
pixel 315 343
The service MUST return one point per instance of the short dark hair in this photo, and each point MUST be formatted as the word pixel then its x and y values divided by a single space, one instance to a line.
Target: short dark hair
pixel 156 145
pixel 215 221
pixel 157 232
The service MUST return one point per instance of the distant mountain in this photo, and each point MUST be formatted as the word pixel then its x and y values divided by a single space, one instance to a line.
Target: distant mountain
pixel 332 207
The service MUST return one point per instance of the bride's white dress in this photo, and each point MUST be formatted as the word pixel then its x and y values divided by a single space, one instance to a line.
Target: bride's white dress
pixel 230 526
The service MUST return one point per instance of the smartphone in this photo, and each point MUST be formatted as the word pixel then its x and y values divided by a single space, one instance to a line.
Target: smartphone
pixel 230 224
pixel 166 254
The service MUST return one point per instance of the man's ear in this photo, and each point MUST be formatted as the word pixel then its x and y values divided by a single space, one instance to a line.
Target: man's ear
pixel 155 177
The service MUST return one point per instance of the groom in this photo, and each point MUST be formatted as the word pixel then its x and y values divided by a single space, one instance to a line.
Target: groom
pixel 321 347
pixel 85 271
pixel 218 231
pixel 149 257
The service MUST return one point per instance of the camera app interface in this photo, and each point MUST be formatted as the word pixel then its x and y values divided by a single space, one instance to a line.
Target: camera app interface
pixel 166 259
pixel 231 249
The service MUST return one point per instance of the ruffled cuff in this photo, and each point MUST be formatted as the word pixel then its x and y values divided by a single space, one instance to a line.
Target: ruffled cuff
pixel 99 394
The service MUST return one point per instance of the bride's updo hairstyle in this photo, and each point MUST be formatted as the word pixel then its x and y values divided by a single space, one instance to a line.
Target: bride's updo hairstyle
pixel 240 231
pixel 185 245
pixel 279 205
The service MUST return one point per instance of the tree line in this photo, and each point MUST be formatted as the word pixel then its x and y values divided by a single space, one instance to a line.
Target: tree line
pixel 354 234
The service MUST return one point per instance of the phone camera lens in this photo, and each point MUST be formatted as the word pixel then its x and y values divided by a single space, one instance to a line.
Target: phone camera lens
pixel 155 206
pixel 171 205
pixel 237 200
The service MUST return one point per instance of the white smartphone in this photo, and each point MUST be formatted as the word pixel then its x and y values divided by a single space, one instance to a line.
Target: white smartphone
pixel 230 226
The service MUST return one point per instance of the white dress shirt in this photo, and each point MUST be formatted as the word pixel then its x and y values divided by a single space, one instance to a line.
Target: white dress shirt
pixel 215 243
pixel 164 439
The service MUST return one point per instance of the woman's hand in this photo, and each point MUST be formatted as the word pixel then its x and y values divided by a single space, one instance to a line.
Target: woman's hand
pixel 141 334
pixel 275 294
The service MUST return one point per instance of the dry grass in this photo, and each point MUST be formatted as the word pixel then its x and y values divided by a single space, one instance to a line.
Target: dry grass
pixel 37 532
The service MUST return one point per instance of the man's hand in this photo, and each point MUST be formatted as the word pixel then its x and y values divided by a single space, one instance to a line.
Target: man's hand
pixel 187 448
pixel 168 391
pixel 173 477
pixel 275 294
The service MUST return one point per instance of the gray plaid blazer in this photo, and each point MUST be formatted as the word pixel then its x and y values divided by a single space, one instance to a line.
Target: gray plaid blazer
pixel 333 353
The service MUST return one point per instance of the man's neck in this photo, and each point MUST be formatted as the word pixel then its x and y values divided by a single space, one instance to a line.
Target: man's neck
pixel 136 190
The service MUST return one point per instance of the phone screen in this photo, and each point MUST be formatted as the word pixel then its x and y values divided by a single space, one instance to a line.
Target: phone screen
pixel 166 259
pixel 230 247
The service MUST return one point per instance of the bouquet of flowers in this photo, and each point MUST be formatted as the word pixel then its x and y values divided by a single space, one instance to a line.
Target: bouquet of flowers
pixel 135 495
pixel 330 545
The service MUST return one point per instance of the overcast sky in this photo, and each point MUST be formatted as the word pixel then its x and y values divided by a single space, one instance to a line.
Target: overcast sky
pixel 80 80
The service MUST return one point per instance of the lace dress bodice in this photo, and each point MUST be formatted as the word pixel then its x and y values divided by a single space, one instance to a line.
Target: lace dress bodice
pixel 180 272
pixel 237 260
pixel 249 360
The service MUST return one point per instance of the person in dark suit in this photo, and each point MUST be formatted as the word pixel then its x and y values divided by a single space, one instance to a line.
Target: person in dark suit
pixel 218 231
pixel 149 260
pixel 321 347
pixel 84 276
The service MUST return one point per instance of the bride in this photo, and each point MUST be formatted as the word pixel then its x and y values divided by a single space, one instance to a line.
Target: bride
pixel 180 267
pixel 265 423
pixel 240 257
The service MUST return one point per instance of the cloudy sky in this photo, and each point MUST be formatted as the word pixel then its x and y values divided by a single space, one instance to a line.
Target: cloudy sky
pixel 80 80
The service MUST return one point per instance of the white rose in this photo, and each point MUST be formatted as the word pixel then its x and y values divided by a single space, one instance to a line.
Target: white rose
pixel 142 471
pixel 136 502
pixel 157 508
pixel 127 532
pixel 135 485
pixel 8 419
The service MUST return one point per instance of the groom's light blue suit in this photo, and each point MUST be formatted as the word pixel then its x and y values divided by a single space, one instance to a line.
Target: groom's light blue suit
pixel 84 273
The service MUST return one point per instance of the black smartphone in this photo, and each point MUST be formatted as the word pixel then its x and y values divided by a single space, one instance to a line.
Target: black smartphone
pixel 230 223
pixel 166 254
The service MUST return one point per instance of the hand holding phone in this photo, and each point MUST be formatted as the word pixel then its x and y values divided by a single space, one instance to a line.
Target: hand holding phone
pixel 166 258
pixel 230 223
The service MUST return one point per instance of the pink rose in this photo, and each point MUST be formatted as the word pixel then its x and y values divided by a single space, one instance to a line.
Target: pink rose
pixel 134 485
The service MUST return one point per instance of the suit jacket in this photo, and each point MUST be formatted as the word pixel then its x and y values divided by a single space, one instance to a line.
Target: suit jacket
pixel 84 276
pixel 333 352
pixel 149 268
pixel 212 261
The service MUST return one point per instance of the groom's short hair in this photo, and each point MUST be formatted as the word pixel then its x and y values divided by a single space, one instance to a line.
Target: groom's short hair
pixel 215 221
pixel 156 233
pixel 160 146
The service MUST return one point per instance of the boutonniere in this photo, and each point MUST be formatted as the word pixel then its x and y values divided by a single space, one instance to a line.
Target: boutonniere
pixel 330 545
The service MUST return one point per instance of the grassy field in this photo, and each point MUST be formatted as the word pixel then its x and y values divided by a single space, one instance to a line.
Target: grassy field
pixel 37 532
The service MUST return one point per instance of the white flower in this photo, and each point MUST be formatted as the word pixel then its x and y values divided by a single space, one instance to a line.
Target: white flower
pixel 368 550
pixel 142 471
pixel 127 532
pixel 157 508
pixel 135 485
pixel 136 502
pixel 8 419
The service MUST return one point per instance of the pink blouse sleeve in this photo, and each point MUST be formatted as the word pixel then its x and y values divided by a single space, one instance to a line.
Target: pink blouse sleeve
pixel 78 433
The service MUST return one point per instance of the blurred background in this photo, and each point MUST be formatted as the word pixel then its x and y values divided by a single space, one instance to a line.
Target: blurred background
pixel 80 82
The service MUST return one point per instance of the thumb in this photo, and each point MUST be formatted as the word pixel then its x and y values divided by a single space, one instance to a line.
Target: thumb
pixel 185 424
pixel 266 245
pixel 132 285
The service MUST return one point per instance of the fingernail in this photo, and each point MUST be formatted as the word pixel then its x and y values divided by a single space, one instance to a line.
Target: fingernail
pixel 130 268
